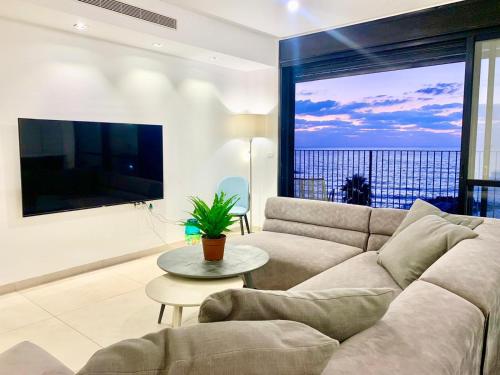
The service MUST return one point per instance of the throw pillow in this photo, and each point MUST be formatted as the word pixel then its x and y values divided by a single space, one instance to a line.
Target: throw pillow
pixel 419 245
pixel 338 313
pixel 247 348
pixel 421 208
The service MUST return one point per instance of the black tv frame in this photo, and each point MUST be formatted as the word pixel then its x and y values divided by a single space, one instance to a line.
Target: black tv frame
pixel 89 207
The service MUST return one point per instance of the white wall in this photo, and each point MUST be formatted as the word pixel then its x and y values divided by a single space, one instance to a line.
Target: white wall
pixel 56 75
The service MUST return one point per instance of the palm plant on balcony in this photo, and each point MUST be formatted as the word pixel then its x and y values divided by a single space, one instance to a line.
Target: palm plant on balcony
pixel 356 190
pixel 213 221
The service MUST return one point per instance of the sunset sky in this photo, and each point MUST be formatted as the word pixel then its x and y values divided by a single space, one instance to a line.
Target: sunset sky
pixel 412 108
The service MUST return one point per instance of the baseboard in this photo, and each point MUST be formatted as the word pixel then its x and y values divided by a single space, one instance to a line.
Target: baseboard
pixel 58 275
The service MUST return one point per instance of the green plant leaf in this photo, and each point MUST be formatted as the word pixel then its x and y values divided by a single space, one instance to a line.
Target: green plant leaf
pixel 215 220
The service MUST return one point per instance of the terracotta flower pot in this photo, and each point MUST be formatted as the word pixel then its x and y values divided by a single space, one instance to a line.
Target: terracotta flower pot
pixel 213 249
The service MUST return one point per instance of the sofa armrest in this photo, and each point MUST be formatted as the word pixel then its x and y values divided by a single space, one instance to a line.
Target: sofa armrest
pixel 28 358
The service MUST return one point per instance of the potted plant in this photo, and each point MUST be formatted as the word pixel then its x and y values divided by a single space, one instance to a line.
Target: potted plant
pixel 213 222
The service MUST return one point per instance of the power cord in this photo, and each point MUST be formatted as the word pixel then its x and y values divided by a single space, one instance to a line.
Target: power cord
pixel 159 216
pixel 150 220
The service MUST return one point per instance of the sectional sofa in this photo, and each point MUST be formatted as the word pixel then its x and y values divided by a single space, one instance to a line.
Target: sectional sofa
pixel 446 322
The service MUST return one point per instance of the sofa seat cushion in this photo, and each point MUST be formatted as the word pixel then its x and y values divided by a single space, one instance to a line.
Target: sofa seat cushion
pixel 362 271
pixel 293 259
pixel 27 358
pixel 426 330
pixel 278 347
pixel 472 270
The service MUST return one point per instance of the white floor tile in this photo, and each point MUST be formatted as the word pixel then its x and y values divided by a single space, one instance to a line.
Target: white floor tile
pixel 16 311
pixel 80 291
pixel 130 315
pixel 142 270
pixel 72 318
pixel 55 337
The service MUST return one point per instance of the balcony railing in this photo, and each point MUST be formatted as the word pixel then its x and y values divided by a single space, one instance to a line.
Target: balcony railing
pixel 386 178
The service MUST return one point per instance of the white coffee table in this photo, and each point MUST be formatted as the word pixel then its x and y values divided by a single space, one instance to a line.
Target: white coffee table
pixel 181 292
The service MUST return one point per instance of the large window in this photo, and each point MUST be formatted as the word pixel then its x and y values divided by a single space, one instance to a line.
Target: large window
pixel 484 156
pixel 381 139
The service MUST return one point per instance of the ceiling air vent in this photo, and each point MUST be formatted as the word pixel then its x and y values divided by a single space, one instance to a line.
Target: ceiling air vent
pixel 132 11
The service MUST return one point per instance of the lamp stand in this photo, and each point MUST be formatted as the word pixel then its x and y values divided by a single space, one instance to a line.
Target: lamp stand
pixel 251 185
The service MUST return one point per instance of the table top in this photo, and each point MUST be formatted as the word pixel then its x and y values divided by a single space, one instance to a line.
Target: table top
pixel 189 262
pixel 180 291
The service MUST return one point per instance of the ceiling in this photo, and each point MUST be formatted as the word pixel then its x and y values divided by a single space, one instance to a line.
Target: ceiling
pixel 272 17
pixel 235 34
pixel 228 50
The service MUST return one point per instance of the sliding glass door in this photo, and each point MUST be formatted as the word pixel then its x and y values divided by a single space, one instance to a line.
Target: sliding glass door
pixel 483 183
pixel 384 127
pixel 381 139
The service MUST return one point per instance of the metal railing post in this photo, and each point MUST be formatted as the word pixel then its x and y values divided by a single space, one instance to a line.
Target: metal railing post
pixel 370 170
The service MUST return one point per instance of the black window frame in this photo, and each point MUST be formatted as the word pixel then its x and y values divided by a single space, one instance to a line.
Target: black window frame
pixel 444 47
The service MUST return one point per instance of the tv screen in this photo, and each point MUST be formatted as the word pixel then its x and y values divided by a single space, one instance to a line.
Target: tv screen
pixel 72 165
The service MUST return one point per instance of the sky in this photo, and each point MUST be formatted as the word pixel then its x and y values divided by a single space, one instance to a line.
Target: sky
pixel 410 108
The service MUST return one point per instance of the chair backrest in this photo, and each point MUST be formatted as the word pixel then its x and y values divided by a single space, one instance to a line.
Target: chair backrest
pixel 238 186
pixel 311 188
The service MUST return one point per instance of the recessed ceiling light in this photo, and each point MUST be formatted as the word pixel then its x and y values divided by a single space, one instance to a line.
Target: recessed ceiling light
pixel 157 45
pixel 293 5
pixel 80 26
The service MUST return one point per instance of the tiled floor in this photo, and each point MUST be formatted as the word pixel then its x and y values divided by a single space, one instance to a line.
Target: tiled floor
pixel 74 317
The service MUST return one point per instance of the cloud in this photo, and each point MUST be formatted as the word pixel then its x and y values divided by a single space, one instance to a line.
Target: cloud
pixel 305 93
pixel 426 116
pixel 441 89
pixel 389 102
pixel 437 116
pixel 326 107
pixel 315 128
pixel 332 107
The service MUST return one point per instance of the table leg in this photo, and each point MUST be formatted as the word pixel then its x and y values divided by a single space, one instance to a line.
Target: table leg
pixel 247 277
pixel 162 310
pixel 177 316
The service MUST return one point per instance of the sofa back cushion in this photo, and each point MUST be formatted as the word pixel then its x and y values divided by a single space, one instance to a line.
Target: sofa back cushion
pixel 421 208
pixel 383 224
pixel 342 223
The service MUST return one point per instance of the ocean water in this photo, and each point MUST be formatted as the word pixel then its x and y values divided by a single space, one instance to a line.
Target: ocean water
pixel 396 177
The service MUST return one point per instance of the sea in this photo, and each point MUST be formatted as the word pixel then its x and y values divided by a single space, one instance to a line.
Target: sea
pixel 396 176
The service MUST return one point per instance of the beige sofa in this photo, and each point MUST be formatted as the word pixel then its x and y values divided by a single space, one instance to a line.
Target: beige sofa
pixel 447 322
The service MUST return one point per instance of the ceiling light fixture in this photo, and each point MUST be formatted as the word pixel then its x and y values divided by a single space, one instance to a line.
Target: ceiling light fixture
pixel 293 5
pixel 80 26
pixel 157 45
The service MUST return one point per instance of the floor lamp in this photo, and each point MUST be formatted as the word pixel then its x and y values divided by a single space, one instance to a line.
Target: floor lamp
pixel 249 126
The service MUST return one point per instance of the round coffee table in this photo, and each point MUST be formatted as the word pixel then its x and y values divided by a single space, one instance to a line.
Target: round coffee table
pixel 180 292
pixel 239 260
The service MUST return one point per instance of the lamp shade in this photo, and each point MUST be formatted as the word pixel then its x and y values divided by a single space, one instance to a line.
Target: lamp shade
pixel 247 126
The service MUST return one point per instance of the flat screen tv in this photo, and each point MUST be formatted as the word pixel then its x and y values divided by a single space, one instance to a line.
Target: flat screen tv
pixel 73 165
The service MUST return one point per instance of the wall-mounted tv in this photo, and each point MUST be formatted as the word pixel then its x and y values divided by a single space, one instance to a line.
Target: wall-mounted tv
pixel 73 165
